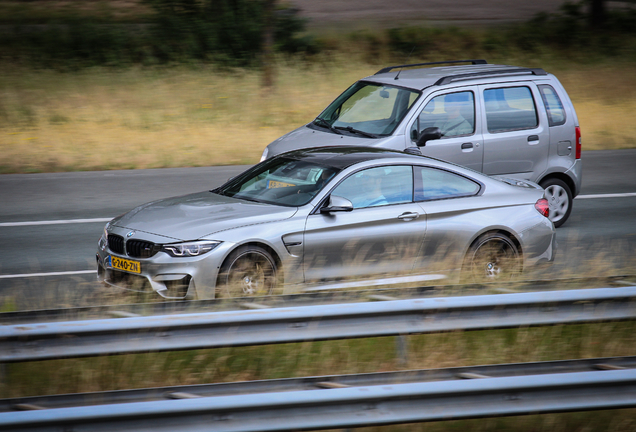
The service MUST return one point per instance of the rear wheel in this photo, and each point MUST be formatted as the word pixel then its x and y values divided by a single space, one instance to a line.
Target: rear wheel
pixel 248 271
pixel 493 257
pixel 559 198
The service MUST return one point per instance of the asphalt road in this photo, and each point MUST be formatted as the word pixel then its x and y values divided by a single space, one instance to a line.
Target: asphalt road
pixel 50 223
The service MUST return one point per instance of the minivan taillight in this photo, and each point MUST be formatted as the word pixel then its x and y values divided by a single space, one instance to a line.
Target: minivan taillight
pixel 578 142
pixel 542 206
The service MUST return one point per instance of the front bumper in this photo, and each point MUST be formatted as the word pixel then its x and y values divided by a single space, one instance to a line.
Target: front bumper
pixel 169 277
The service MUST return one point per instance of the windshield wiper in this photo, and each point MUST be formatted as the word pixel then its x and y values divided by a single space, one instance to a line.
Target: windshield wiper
pixel 324 123
pixel 242 197
pixel 357 131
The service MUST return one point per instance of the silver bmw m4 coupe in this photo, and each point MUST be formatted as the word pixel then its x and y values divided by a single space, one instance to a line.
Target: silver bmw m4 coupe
pixel 329 214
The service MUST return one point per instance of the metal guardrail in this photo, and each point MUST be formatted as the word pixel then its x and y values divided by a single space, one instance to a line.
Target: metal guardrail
pixel 28 342
pixel 317 296
pixel 347 407
pixel 314 383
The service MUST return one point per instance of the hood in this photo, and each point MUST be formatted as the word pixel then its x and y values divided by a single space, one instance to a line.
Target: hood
pixel 196 216
pixel 305 137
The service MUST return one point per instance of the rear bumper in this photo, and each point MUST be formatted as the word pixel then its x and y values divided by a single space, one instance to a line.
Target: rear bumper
pixel 539 243
pixel 576 174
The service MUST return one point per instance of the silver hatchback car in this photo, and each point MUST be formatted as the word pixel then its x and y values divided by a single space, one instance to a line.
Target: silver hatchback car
pixel 325 214
pixel 497 119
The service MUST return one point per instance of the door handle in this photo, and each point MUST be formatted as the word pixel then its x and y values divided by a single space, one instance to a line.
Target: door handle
pixel 408 216
pixel 533 138
pixel 467 146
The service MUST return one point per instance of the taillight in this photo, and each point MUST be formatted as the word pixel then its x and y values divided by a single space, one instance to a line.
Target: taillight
pixel 578 142
pixel 542 206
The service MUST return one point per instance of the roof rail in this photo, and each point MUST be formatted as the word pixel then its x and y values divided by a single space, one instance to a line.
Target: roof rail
pixel 390 68
pixel 508 71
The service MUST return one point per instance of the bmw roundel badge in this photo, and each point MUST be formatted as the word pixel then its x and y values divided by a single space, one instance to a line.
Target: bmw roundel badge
pixel 130 234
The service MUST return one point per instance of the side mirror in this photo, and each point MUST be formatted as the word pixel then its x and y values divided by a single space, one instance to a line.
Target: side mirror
pixel 428 134
pixel 337 204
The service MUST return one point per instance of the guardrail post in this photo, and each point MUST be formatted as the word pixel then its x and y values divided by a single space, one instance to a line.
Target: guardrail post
pixel 402 350
pixel 4 377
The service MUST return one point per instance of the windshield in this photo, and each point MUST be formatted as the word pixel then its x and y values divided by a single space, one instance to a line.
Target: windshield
pixel 280 181
pixel 367 109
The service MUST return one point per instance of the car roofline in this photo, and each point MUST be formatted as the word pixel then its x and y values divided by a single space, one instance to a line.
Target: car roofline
pixel 388 154
pixel 420 77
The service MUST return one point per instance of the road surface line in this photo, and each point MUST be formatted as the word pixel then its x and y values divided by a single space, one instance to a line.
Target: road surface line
pixel 28 275
pixel 53 222
pixel 615 195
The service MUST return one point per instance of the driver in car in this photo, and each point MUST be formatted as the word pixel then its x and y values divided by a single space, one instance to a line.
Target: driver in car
pixel 456 124
pixel 373 195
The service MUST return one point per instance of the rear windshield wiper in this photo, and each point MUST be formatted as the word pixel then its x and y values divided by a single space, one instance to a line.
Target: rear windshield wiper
pixel 357 131
pixel 324 123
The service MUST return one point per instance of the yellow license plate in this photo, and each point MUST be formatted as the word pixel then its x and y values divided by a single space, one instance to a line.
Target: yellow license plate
pixel 125 264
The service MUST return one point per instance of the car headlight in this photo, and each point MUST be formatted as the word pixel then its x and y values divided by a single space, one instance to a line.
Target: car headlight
pixel 264 155
pixel 189 249
pixel 103 242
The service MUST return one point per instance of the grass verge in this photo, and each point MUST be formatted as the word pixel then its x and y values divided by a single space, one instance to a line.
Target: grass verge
pixel 136 118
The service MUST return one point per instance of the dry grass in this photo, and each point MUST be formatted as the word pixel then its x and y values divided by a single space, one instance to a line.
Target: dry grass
pixel 604 98
pixel 105 119
pixel 101 119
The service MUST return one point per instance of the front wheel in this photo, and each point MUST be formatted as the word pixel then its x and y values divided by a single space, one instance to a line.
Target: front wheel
pixel 559 198
pixel 247 271
pixel 492 258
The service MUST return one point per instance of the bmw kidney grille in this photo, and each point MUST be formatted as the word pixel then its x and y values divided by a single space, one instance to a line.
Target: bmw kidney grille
pixel 134 248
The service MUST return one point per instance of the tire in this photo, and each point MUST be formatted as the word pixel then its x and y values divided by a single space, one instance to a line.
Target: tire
pixel 493 257
pixel 247 271
pixel 559 198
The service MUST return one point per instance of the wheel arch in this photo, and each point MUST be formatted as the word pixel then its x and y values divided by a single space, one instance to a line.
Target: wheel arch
pixel 564 178
pixel 268 248
pixel 503 231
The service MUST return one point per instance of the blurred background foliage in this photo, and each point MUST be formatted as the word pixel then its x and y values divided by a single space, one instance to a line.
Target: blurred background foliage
pixel 226 32
pixel 230 33
pixel 567 33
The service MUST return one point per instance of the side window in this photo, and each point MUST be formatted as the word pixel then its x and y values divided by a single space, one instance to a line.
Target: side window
pixel 432 183
pixel 378 186
pixel 453 113
pixel 510 108
pixel 553 105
